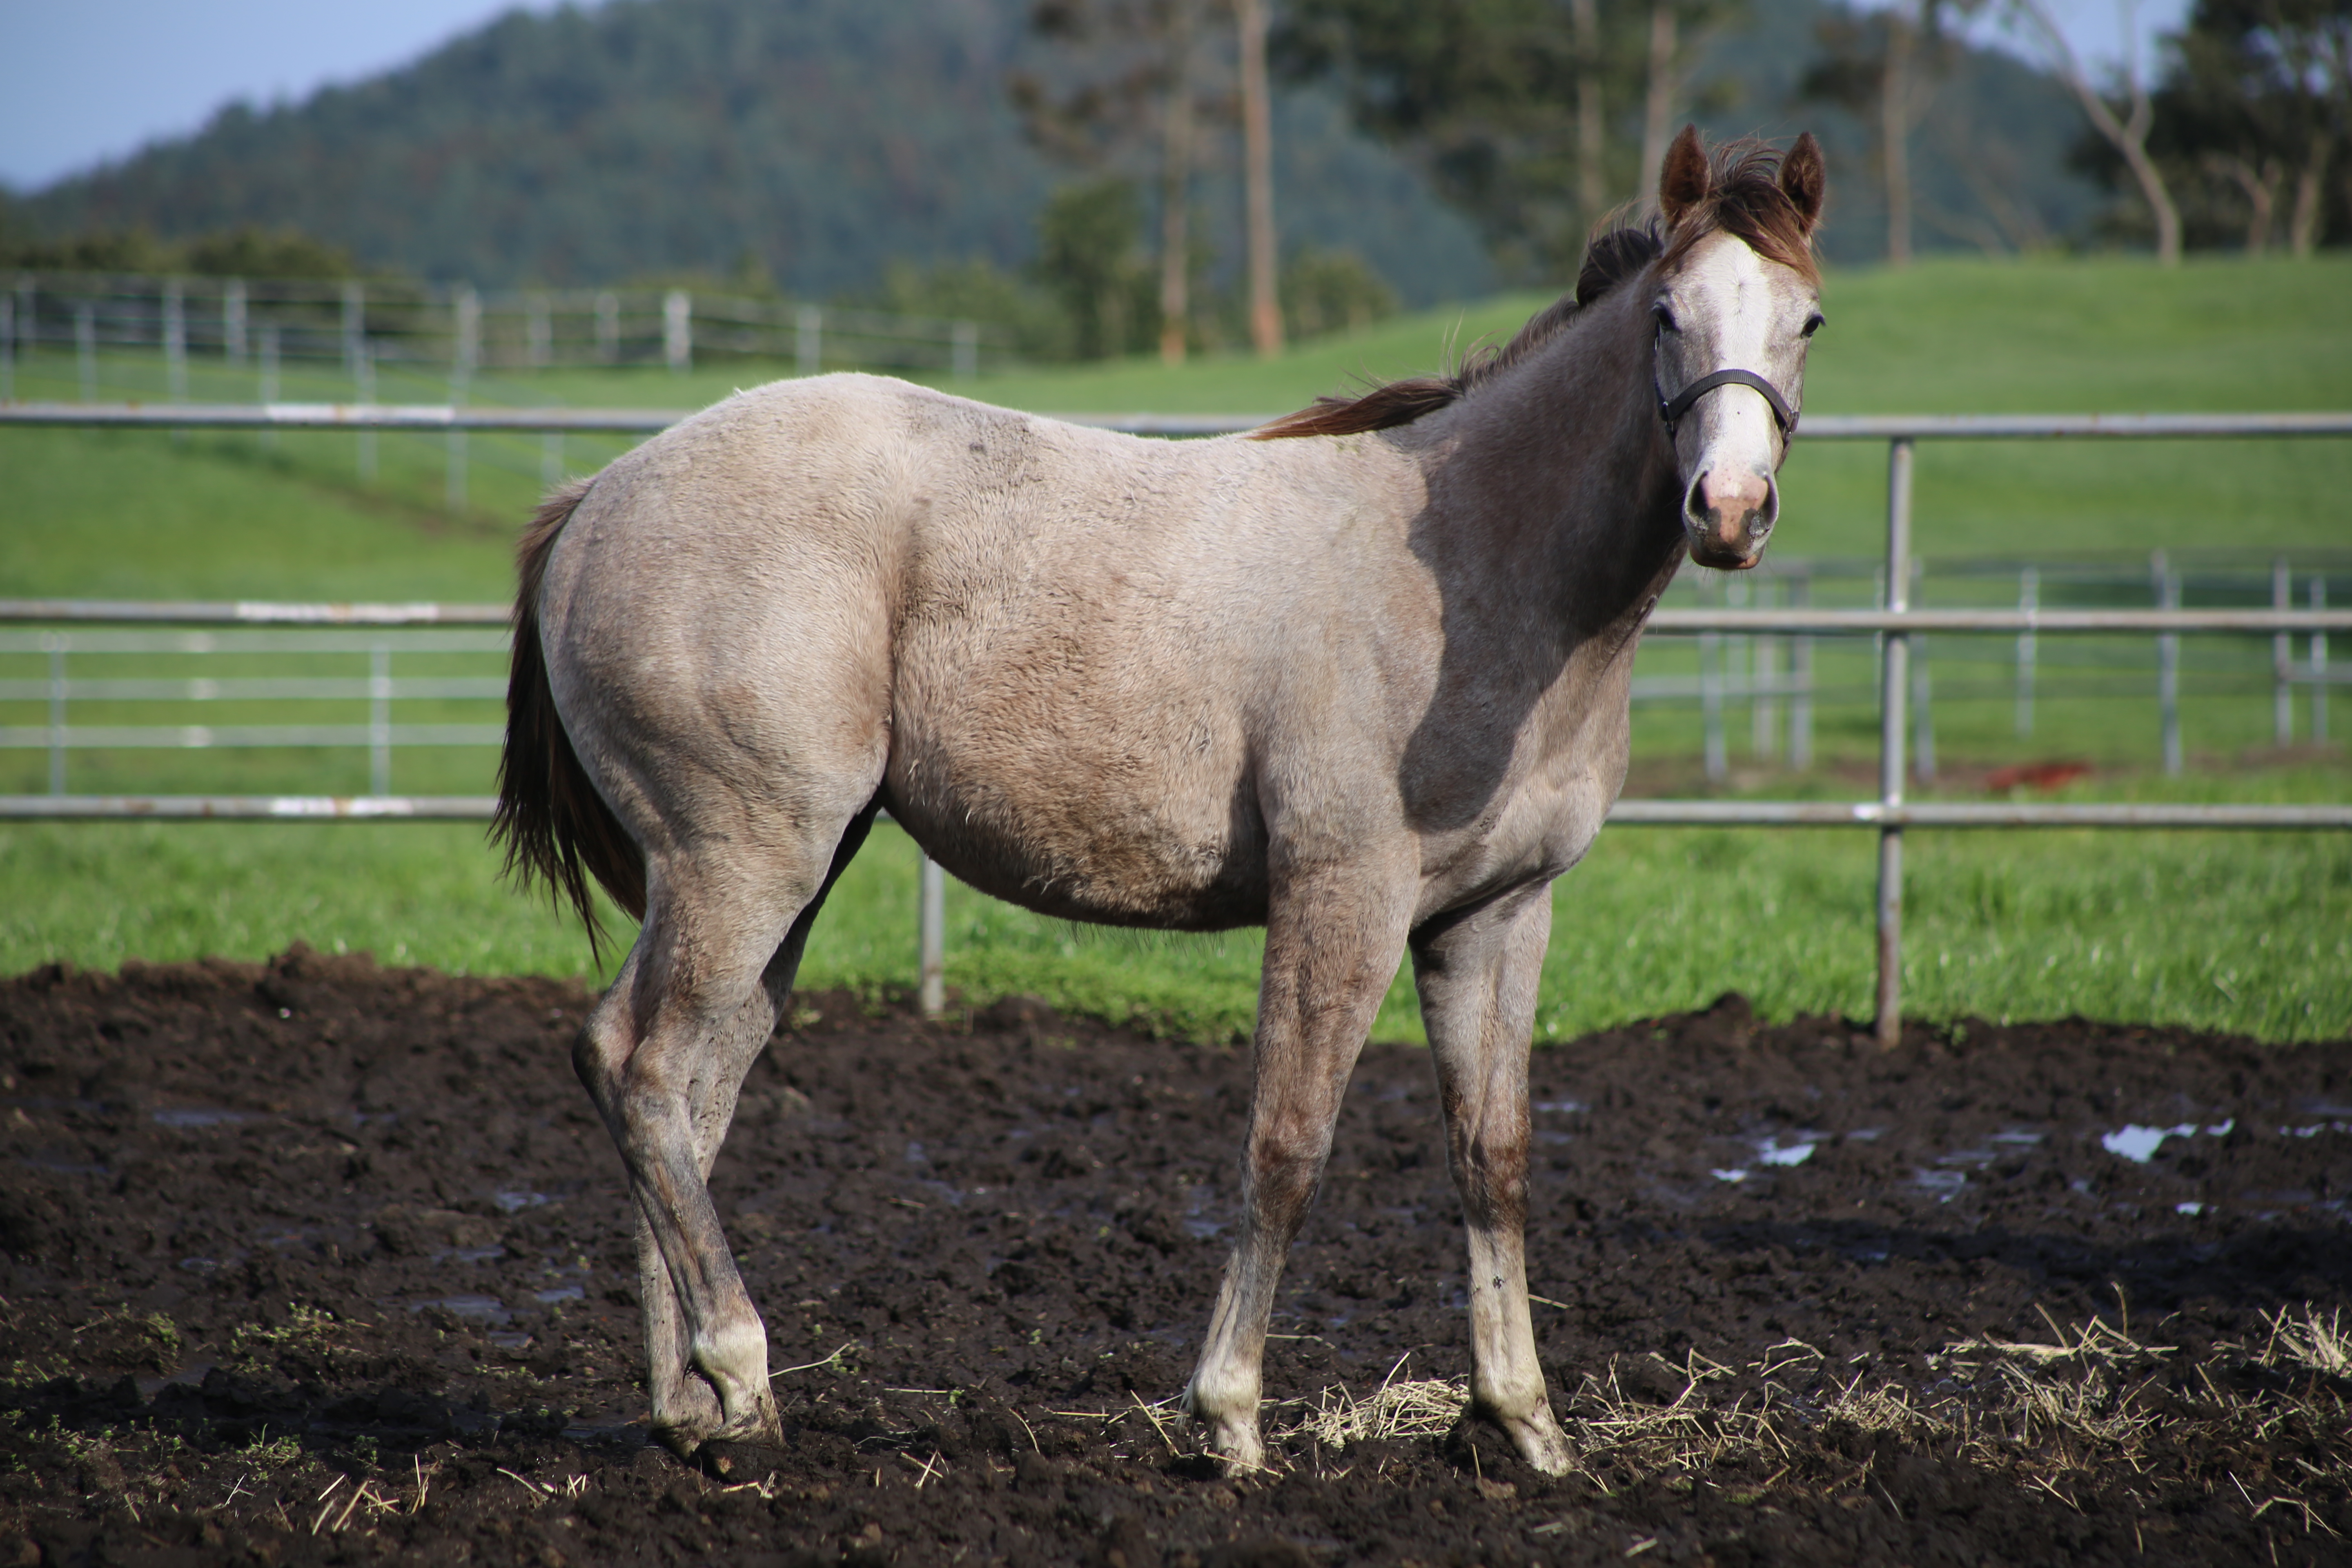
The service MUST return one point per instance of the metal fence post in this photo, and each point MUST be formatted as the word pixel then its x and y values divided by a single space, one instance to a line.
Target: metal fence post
pixel 354 325
pixel 2318 592
pixel 966 357
pixel 808 340
pixel 551 459
pixel 934 989
pixel 268 380
pixel 28 324
pixel 608 327
pixel 538 330
pixel 8 348
pixel 380 719
pixel 1711 687
pixel 1891 691
pixel 363 388
pixel 1800 681
pixel 233 321
pixel 85 349
pixel 55 644
pixel 175 340
pixel 677 331
pixel 2282 657
pixel 465 354
pixel 2168 660
pixel 1764 712
pixel 2029 597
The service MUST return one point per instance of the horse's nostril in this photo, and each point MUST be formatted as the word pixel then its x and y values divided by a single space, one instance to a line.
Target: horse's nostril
pixel 1694 499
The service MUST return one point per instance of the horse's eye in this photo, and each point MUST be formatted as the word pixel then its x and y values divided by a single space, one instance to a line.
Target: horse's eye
pixel 1666 317
pixel 1813 323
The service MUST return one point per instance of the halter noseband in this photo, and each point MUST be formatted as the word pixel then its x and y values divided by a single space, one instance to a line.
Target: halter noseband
pixel 1671 410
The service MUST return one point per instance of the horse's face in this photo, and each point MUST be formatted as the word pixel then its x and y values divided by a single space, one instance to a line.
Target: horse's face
pixel 1732 329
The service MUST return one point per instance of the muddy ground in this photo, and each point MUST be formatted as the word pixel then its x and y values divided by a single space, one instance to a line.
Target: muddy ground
pixel 317 1261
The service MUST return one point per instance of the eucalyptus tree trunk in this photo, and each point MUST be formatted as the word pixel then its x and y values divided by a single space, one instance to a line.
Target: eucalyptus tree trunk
pixel 1658 113
pixel 1896 86
pixel 2261 184
pixel 2128 134
pixel 1257 179
pixel 2303 229
pixel 1591 176
pixel 1176 188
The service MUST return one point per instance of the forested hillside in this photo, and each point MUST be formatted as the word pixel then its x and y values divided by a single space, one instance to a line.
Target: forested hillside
pixel 812 142
pixel 819 137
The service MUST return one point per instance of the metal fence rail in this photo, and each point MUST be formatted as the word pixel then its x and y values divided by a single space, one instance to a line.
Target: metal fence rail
pixel 465 416
pixel 1896 623
pixel 362 322
pixel 644 421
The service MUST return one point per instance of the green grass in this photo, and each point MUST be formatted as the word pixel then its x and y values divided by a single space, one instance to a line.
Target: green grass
pixel 132 512
pixel 2244 932
pixel 2238 931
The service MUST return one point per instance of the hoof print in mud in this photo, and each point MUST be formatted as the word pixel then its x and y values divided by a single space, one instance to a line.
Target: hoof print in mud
pixel 738 1464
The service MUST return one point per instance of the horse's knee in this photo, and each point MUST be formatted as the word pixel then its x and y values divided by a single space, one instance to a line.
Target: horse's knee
pixel 1286 1159
pixel 1492 1173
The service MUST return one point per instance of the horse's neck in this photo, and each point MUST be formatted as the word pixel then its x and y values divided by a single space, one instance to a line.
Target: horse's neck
pixel 1558 485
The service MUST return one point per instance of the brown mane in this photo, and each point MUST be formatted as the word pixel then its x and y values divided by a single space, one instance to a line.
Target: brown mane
pixel 1744 199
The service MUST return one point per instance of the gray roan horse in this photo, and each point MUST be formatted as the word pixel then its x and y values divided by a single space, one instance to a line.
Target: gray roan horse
pixel 1360 676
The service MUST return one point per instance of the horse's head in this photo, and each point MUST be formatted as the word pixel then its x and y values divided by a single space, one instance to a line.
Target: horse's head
pixel 1737 303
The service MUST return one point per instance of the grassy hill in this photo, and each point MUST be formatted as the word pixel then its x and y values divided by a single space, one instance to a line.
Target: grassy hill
pixel 139 515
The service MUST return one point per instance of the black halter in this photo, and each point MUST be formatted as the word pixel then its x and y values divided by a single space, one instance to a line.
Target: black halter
pixel 1671 410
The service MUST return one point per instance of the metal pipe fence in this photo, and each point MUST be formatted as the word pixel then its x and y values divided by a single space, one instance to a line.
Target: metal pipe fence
pixel 1894 624
pixel 355 322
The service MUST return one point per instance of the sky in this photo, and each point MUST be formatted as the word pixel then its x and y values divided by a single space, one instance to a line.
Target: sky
pixel 86 81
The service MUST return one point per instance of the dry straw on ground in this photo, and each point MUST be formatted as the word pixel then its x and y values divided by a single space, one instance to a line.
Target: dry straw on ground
pixel 2045 1411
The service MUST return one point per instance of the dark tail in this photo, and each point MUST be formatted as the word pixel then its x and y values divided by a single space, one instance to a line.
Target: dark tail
pixel 556 828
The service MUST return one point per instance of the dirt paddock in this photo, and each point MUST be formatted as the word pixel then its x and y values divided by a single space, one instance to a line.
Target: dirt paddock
pixel 316 1261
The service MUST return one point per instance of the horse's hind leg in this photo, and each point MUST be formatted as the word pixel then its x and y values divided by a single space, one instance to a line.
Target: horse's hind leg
pixel 1477 976
pixel 664 1056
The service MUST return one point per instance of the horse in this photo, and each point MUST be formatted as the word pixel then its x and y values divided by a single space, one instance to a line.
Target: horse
pixel 1360 676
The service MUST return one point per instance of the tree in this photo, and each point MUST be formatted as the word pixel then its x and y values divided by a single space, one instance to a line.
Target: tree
pixel 1087 259
pixel 1134 86
pixel 1481 94
pixel 1678 34
pixel 1883 69
pixel 1257 177
pixel 2127 132
pixel 2256 106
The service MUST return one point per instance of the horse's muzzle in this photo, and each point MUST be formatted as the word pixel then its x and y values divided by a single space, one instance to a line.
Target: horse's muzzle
pixel 1729 516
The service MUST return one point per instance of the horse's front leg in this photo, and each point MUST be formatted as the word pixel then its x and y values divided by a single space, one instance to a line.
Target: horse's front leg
pixel 1332 942
pixel 1477 973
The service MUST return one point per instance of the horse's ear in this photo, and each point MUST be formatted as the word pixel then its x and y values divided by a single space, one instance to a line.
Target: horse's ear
pixel 1804 180
pixel 1683 179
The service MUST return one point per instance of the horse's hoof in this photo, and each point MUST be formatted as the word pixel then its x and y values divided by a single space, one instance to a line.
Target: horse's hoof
pixel 1542 1444
pixel 737 1463
pixel 1238 1451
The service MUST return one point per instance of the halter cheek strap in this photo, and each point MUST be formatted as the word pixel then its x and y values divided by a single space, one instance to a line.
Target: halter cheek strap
pixel 1671 411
